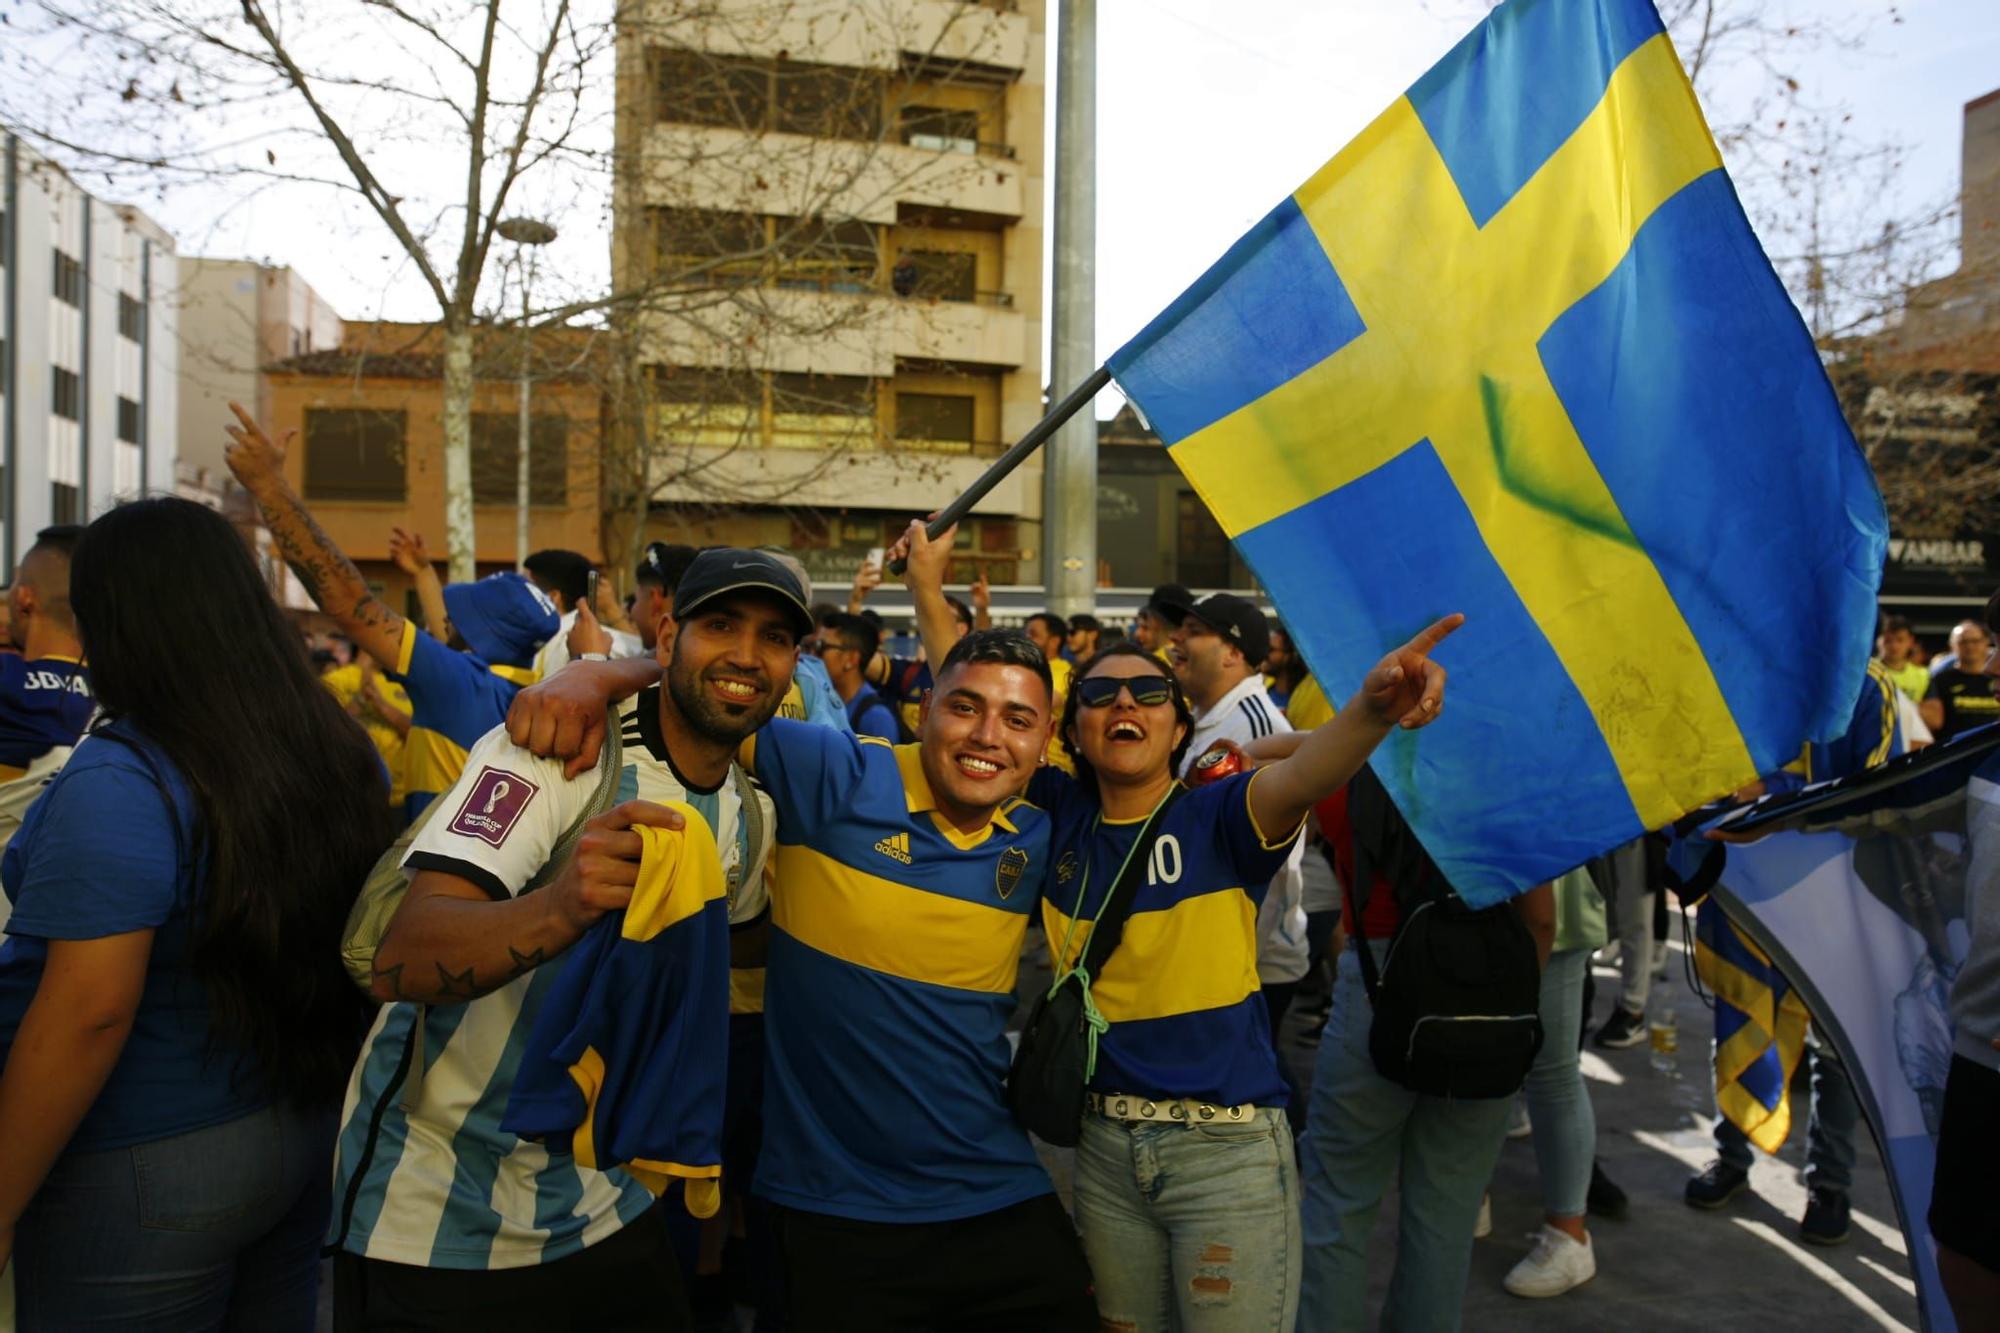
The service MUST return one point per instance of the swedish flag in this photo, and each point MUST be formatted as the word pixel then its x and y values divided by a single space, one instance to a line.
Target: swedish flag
pixel 1515 352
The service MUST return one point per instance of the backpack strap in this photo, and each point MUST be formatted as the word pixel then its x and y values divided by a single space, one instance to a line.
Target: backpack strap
pixel 753 829
pixel 610 769
pixel 1384 845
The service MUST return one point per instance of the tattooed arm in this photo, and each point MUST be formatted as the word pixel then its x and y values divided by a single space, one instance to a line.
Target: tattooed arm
pixel 329 576
pixel 453 941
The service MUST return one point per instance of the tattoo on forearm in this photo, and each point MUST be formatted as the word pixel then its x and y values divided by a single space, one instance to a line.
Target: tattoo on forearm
pixel 456 985
pixel 394 975
pixel 525 963
pixel 321 565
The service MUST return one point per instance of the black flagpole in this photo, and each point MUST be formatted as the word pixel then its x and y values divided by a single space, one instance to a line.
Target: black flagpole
pixel 1014 457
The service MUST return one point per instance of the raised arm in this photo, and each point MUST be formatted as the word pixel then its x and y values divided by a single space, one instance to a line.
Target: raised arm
pixel 331 579
pixel 866 580
pixel 407 549
pixel 1405 688
pixel 982 601
pixel 923 574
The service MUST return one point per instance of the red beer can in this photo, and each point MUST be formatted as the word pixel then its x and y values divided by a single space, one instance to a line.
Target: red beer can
pixel 1220 760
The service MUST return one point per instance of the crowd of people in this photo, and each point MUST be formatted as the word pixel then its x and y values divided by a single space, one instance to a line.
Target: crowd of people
pixel 691 929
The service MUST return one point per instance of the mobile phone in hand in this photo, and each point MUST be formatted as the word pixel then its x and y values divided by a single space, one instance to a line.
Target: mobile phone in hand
pixel 590 591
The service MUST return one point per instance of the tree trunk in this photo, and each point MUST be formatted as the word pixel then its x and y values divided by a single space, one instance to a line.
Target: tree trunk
pixel 458 519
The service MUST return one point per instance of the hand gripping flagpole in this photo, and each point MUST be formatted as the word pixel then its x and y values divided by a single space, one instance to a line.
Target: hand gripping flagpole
pixel 1014 457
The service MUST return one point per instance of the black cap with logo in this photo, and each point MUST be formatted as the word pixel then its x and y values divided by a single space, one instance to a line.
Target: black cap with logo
pixel 721 570
pixel 1235 619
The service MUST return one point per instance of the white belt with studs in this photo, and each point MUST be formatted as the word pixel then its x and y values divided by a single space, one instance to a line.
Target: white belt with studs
pixel 1177 1110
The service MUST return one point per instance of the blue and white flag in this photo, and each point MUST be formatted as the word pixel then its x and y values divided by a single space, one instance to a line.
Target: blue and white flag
pixel 1866 919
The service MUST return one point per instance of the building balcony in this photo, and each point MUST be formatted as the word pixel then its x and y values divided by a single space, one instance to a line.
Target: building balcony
pixel 796 175
pixel 993 34
pixel 835 332
pixel 857 477
pixel 973 35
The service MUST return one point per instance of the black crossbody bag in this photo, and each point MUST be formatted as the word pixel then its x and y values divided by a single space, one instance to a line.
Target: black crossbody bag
pixel 1058 1051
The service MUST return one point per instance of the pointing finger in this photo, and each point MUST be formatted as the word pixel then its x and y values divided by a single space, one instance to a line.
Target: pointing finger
pixel 1435 635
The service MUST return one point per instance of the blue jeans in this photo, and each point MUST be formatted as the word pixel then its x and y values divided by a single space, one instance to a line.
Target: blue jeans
pixel 1558 1102
pixel 1829 1128
pixel 218 1228
pixel 1191 1227
pixel 1361 1130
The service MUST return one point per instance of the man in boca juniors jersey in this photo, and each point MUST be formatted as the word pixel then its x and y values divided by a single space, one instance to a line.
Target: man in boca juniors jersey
pixel 45 699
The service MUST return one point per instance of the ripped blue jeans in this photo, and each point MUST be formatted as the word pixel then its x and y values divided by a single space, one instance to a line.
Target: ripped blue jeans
pixel 1192 1227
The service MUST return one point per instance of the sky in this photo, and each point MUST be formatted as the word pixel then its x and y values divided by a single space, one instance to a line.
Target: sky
pixel 1209 111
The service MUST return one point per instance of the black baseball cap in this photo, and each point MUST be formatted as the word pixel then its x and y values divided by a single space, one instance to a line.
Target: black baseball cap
pixel 1235 619
pixel 721 570
pixel 1170 602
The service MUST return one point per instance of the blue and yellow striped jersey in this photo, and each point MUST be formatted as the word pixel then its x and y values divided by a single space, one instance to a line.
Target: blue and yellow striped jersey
pixel 894 944
pixel 455 698
pixel 1180 991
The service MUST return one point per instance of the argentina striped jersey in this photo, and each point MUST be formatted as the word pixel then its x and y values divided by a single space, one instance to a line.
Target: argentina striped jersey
pixel 443 1186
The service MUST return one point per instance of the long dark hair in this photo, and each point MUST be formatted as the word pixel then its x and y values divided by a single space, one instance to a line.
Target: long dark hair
pixel 1087 775
pixel 185 645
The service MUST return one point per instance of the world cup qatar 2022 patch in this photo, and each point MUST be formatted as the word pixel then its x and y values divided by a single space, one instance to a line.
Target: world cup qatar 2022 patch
pixel 494 806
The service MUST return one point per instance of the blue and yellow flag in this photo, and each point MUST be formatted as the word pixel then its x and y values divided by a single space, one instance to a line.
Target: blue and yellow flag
pixel 1515 352
pixel 1760 1028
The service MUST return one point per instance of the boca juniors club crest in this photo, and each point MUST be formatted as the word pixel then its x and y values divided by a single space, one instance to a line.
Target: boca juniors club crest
pixel 1007 874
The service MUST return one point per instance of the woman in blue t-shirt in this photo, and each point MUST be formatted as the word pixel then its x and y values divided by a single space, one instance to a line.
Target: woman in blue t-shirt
pixel 176 1026
pixel 1186 1188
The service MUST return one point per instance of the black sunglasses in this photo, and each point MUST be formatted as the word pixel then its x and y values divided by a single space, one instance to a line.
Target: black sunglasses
pixel 1101 691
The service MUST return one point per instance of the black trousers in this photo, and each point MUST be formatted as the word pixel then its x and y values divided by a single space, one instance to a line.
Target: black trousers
pixel 626 1282
pixel 1018 1270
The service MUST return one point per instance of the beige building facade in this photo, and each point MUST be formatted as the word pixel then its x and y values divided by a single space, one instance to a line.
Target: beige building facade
pixel 237 318
pixel 827 256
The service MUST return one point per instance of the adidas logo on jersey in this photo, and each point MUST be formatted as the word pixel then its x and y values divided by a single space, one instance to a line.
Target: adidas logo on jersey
pixel 896 847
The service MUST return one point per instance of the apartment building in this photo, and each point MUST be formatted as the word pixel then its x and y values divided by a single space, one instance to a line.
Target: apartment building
pixel 88 353
pixel 827 249
pixel 236 317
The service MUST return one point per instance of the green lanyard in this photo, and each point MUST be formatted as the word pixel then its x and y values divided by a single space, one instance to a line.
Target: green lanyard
pixel 1094 1021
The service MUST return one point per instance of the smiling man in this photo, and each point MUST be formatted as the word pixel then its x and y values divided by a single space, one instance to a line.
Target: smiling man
pixel 445 1220
pixel 903 885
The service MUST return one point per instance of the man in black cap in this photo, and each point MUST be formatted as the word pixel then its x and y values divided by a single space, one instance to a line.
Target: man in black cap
pixel 1160 617
pixel 1217 645
pixel 541 1239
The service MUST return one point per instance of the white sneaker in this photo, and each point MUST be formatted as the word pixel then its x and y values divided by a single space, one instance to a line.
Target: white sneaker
pixel 1483 1228
pixel 1556 1264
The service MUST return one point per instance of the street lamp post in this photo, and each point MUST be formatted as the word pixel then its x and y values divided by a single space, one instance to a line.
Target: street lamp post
pixel 527 234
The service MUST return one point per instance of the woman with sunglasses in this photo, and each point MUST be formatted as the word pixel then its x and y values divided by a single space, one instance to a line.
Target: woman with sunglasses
pixel 1186 1185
